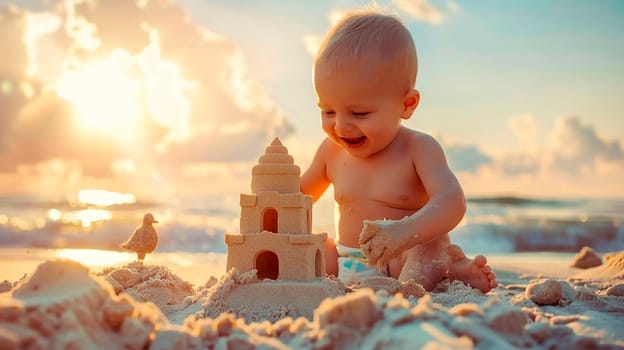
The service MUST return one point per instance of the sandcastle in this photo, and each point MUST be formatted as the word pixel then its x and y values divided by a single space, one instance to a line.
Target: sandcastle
pixel 275 235
pixel 275 265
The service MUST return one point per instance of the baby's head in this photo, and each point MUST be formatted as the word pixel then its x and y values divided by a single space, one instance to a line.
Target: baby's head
pixel 370 37
pixel 364 76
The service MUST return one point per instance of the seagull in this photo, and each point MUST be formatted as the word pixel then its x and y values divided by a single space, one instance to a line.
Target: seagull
pixel 144 239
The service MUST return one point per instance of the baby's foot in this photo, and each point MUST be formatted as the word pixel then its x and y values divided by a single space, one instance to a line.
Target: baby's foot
pixel 475 273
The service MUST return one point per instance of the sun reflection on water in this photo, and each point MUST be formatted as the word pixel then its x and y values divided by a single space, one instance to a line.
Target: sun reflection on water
pixel 105 198
pixel 85 217
pixel 89 216
pixel 95 257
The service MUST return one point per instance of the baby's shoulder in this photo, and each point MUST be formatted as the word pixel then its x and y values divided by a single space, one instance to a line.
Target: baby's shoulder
pixel 326 153
pixel 328 148
pixel 420 141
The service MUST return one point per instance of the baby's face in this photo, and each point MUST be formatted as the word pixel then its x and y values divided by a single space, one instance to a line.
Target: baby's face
pixel 361 106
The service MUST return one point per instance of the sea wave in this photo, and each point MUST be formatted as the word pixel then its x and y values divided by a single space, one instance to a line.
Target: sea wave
pixel 544 234
pixel 184 224
pixel 197 224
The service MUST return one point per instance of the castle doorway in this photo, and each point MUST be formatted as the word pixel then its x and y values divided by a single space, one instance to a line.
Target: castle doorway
pixel 267 265
pixel 318 264
pixel 269 220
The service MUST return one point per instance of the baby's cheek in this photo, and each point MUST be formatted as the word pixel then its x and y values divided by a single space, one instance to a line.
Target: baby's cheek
pixel 328 127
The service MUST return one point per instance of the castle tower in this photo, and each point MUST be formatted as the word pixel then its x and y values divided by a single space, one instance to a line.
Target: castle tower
pixel 275 223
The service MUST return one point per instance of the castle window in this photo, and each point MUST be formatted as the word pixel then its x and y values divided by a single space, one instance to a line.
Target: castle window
pixel 267 265
pixel 269 220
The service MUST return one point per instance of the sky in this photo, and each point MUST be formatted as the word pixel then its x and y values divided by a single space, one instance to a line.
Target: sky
pixel 162 98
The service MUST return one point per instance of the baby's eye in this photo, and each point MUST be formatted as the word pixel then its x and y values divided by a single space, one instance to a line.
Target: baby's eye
pixel 328 114
pixel 361 114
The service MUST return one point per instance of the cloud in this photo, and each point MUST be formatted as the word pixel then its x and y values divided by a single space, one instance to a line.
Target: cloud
pixel 44 130
pixel 13 68
pixel 312 42
pixel 419 10
pixel 453 6
pixel 195 101
pixel 465 157
pixel 422 10
pixel 577 146
pixel 575 160
pixel 517 163
pixel 575 157
pixel 13 23
pixel 525 128
pixel 574 148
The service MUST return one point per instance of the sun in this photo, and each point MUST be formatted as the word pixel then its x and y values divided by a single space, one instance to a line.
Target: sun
pixel 105 95
pixel 119 94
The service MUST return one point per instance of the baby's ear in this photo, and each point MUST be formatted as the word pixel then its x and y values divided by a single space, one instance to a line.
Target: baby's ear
pixel 410 102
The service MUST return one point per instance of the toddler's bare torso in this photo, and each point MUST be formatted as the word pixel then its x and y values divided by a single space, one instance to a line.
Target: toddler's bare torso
pixel 384 186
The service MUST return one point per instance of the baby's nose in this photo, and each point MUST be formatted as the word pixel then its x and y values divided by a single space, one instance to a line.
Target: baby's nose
pixel 343 125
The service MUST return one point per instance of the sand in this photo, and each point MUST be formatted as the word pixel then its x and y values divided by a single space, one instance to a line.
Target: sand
pixel 63 305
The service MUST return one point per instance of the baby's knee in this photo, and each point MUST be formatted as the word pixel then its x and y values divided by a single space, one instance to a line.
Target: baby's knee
pixel 331 257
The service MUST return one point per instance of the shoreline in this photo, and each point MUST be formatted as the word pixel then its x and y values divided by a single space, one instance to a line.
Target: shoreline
pixel 17 261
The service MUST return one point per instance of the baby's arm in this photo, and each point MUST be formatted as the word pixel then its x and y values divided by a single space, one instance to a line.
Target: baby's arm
pixel 384 240
pixel 314 180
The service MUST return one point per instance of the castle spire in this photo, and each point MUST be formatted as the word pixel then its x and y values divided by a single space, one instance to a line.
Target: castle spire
pixel 275 171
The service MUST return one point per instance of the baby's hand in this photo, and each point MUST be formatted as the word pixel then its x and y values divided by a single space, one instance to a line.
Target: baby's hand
pixel 378 243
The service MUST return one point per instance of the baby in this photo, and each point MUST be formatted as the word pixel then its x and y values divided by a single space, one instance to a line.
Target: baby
pixel 396 197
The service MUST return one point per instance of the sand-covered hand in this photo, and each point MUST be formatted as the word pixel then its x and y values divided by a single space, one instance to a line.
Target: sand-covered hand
pixel 377 244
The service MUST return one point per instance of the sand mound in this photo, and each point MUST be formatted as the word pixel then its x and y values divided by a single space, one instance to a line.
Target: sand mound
pixel 5 286
pixel 55 281
pixel 365 320
pixel 63 306
pixel 586 258
pixel 391 285
pixel 613 269
pixel 150 283
pixel 243 295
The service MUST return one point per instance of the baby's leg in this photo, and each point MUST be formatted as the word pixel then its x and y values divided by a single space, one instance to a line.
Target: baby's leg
pixel 426 264
pixel 475 273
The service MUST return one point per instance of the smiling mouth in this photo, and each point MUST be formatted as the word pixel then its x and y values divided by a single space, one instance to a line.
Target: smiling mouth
pixel 354 141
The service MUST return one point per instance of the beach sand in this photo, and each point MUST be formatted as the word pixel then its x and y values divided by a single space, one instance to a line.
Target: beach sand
pixel 541 302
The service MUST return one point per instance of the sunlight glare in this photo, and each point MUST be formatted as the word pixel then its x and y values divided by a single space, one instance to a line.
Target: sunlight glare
pixel 105 198
pixel 87 217
pixel 54 214
pixel 6 87
pixel 166 90
pixel 95 257
pixel 120 95
pixel 105 95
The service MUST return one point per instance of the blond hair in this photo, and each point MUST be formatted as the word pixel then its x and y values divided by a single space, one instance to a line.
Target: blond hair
pixel 373 34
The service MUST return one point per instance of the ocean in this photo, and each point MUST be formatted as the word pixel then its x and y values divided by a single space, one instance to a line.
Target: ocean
pixel 196 225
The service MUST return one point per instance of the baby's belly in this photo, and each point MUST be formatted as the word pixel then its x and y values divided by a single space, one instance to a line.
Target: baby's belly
pixel 352 214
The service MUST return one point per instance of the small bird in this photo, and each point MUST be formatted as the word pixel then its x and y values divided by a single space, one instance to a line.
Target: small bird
pixel 144 239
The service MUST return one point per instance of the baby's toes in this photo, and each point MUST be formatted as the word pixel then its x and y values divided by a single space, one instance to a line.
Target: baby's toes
pixel 480 260
pixel 492 277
